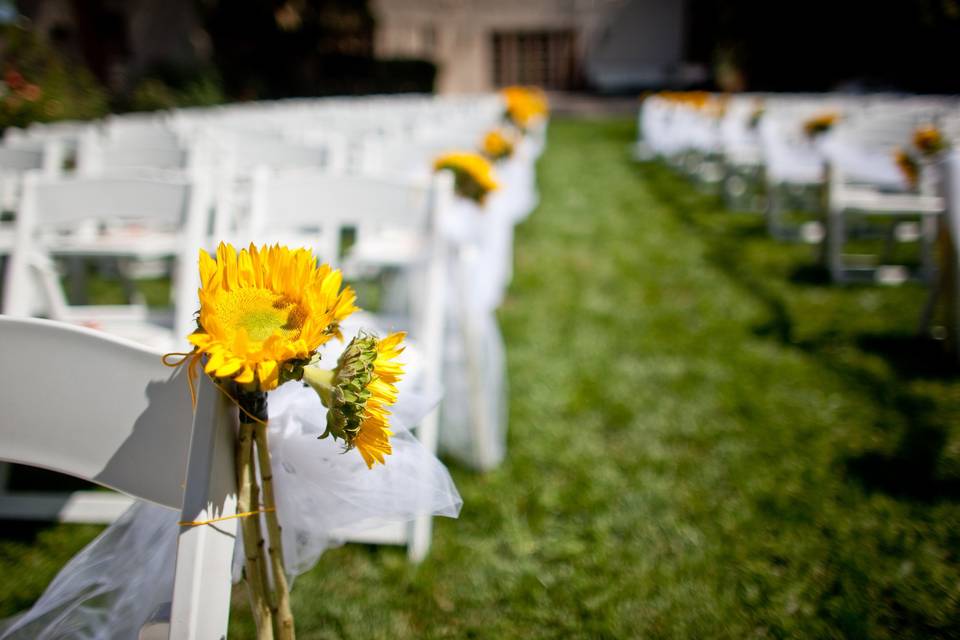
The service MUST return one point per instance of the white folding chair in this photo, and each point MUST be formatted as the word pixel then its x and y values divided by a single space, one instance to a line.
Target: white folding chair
pixel 121 419
pixel 127 217
pixel 793 167
pixel 852 196
pixel 396 225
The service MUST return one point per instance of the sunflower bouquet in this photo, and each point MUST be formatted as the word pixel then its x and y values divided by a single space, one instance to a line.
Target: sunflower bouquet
pixel 264 313
pixel 474 177
pixel 820 124
pixel 497 145
pixel 929 141
pixel 525 106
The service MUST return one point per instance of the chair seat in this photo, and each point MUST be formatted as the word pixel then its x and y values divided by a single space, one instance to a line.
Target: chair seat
pixel 144 245
pixel 867 200
pixel 79 506
pixel 388 249
pixel 391 533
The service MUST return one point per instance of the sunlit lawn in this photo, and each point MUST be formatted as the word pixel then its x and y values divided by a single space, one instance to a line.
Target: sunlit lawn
pixel 707 440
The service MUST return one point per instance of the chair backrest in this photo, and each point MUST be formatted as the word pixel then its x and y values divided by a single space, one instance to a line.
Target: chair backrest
pixel 95 407
pixel 413 157
pixel 251 149
pixel 50 207
pixel 156 148
pixel 107 410
pixel 318 206
pixel 20 157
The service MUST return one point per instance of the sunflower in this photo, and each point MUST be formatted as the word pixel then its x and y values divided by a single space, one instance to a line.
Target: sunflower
pixel 474 176
pixel 264 312
pixel 820 124
pixel 524 105
pixel 497 145
pixel 357 393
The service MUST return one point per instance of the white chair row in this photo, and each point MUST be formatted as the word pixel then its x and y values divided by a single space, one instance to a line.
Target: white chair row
pixel 849 173
pixel 382 224
pixel 396 215
pixel 123 213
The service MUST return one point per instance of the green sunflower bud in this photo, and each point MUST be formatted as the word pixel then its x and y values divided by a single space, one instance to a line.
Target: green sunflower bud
pixel 343 390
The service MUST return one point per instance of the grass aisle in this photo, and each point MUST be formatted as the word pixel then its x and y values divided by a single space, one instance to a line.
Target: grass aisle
pixel 706 442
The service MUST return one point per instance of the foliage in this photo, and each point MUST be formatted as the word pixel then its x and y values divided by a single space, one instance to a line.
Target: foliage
pixel 267 49
pixel 39 85
pixel 706 441
pixel 168 87
pixel 819 45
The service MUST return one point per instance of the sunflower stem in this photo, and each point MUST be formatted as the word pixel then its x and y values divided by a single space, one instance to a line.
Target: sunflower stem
pixel 252 541
pixel 321 380
pixel 284 613
pixel 261 545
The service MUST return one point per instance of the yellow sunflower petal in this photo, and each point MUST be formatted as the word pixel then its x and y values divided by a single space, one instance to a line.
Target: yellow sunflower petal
pixel 208 269
pixel 245 376
pixel 269 373
pixel 229 368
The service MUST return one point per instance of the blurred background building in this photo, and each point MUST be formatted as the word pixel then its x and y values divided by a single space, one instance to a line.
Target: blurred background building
pixel 479 45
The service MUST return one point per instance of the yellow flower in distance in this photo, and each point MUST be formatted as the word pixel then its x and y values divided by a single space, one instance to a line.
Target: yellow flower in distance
pixel 496 145
pixel 820 124
pixel 525 105
pixel 928 140
pixel 264 312
pixel 474 176
pixel 358 392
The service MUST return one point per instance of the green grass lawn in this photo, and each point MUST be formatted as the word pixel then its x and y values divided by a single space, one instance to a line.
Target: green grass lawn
pixel 707 440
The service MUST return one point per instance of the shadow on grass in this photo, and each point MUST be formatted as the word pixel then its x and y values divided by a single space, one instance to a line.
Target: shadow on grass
pixel 810 275
pixel 912 356
pixel 23 531
pixel 910 471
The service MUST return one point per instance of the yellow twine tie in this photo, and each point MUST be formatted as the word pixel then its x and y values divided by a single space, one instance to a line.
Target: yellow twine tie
pixel 245 514
pixel 192 359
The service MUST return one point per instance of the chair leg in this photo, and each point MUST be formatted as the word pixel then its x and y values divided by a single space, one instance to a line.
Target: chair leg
pixel 479 422
pixel 929 308
pixel 928 239
pixel 889 244
pixel 774 211
pixel 420 535
pixel 835 241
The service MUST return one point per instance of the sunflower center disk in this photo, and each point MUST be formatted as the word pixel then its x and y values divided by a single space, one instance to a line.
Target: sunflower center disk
pixel 261 313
